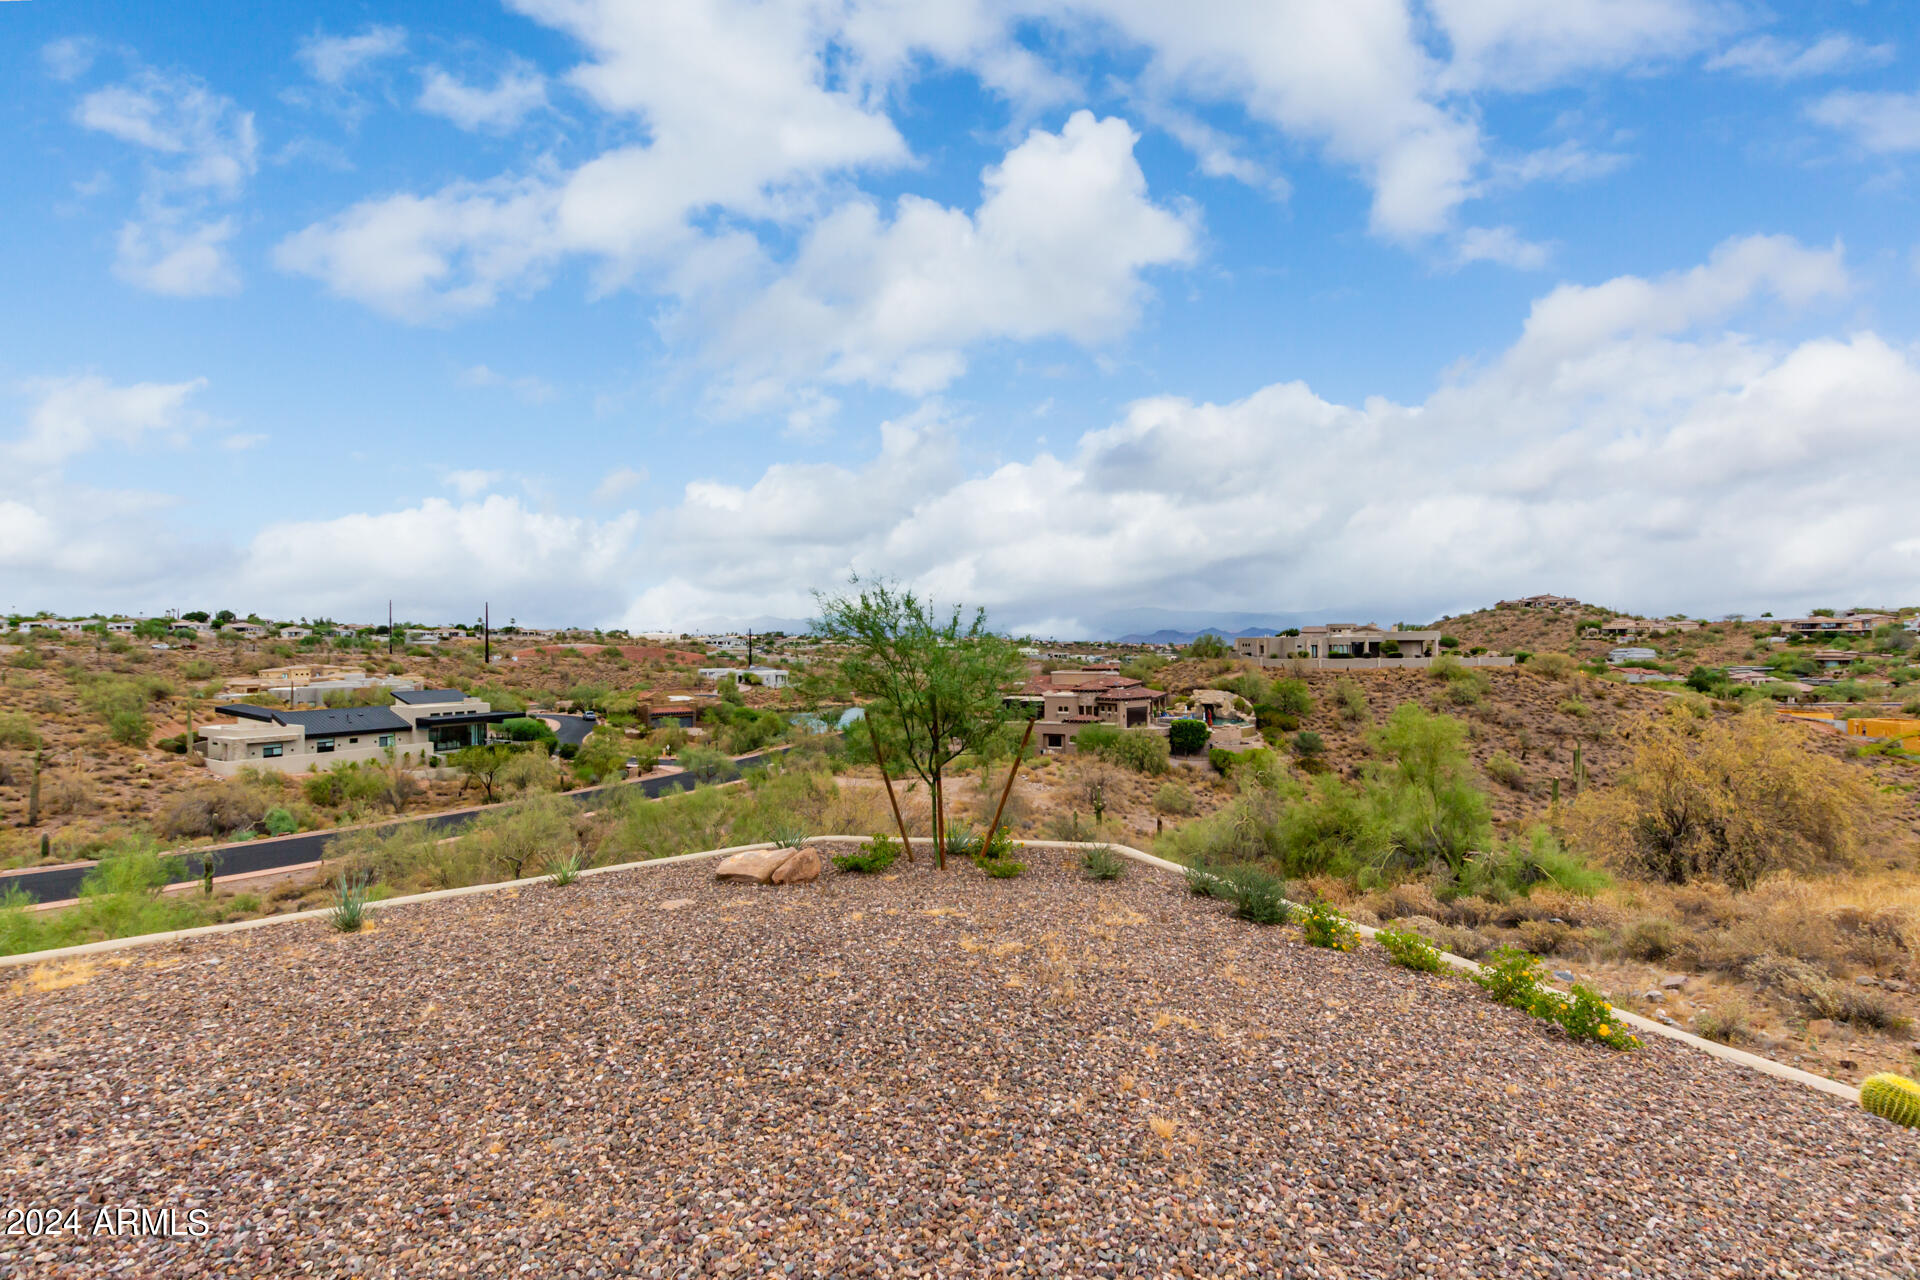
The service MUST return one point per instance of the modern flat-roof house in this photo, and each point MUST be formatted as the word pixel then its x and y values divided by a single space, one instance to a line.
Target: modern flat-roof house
pixel 421 723
pixel 1625 628
pixel 768 677
pixel 1852 624
pixel 1540 602
pixel 1340 640
pixel 1831 658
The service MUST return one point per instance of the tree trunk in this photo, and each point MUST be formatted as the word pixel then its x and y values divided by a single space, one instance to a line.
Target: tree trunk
pixel 880 759
pixel 939 822
pixel 1012 771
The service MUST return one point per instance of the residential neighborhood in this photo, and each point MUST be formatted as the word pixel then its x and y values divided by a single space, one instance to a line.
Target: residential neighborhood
pixel 772 639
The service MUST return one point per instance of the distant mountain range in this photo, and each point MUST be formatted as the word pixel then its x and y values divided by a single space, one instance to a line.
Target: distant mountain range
pixel 1166 626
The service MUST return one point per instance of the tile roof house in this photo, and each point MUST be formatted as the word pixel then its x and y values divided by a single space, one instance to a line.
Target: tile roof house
pixel 1069 701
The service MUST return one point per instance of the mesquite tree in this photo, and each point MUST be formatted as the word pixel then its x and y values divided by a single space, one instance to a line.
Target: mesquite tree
pixel 933 684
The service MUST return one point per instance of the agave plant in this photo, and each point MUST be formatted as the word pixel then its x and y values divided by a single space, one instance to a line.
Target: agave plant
pixel 349 903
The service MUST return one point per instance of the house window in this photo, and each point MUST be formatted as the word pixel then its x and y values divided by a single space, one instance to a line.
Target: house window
pixel 323 745
pixel 1055 740
pixel 271 750
pixel 353 742
pixel 386 739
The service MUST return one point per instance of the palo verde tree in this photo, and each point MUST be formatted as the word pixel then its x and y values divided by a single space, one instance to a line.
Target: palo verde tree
pixel 933 683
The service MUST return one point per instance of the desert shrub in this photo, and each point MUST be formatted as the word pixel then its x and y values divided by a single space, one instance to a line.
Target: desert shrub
pixel 1141 750
pixel 1351 699
pixel 1205 882
pixel 1575 708
pixel 527 729
pixel 1309 745
pixel 65 791
pixel 999 868
pixel 16 730
pixel 1554 666
pixel 129 728
pixel 214 810
pixel 1076 828
pixel 1410 951
pixel 1187 737
pixel 1585 1015
pixel 1222 759
pixel 1510 976
pixel 1726 1021
pixel 516 838
pixel 1173 798
pixel 1257 894
pixel 1507 771
pixel 1290 697
pixel 1729 801
pixel 1518 864
pixel 528 771
pixel 279 821
pixel 1322 926
pixel 705 765
pixel 1648 938
pixel 602 757
pixel 1102 863
pixel 876 856
pixel 564 871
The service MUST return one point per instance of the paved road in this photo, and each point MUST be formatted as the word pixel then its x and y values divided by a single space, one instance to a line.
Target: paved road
pixel 310 846
pixel 572 729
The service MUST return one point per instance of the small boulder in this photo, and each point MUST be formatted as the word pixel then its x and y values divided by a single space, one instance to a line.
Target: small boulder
pixel 1866 980
pixel 1675 982
pixel 801 867
pixel 756 866
pixel 674 904
pixel 1563 975
pixel 1655 996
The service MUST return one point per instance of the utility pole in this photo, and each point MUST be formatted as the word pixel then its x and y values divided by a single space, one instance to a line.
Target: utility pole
pixel 486 634
pixel 749 648
pixel 389 627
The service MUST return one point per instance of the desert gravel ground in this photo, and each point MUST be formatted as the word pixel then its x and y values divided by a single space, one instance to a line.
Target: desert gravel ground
pixel 925 1075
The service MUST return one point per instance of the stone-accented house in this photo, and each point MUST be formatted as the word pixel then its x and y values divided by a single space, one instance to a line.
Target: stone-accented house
pixel 1540 602
pixel 422 723
pixel 1069 701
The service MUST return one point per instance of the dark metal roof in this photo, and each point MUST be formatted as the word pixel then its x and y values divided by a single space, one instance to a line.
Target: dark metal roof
pixel 465 717
pixel 328 723
pixel 419 697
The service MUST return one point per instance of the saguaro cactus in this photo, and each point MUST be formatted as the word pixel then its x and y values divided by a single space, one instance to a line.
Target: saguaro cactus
pixel 1892 1097
pixel 33 794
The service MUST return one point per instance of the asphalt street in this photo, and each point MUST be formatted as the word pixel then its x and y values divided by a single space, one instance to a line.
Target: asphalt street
pixel 59 883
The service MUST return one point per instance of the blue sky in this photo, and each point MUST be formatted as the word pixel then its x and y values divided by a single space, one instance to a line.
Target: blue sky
pixel 663 315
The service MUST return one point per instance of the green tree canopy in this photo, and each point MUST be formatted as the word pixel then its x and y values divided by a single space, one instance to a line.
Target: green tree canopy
pixel 934 683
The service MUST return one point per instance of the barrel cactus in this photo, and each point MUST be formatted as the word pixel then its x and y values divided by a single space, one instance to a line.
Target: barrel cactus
pixel 1892 1097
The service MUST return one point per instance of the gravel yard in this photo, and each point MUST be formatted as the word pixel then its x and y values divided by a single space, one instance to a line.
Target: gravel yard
pixel 919 1075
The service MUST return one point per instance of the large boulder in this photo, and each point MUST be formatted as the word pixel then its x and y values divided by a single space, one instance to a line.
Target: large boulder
pixel 803 866
pixel 756 866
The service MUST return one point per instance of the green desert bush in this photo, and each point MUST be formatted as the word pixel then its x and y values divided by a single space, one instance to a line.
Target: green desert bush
pixel 999 868
pixel 1585 1015
pixel 1350 699
pixel 1187 737
pixel 1409 950
pixel 1507 771
pixel 1257 894
pixel 1102 863
pixel 1173 798
pixel 1141 750
pixel 876 856
pixel 564 871
pixel 1510 976
pixel 16 730
pixel 1322 926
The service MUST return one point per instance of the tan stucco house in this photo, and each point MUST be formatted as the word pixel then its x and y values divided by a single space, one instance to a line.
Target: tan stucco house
pixel 422 723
